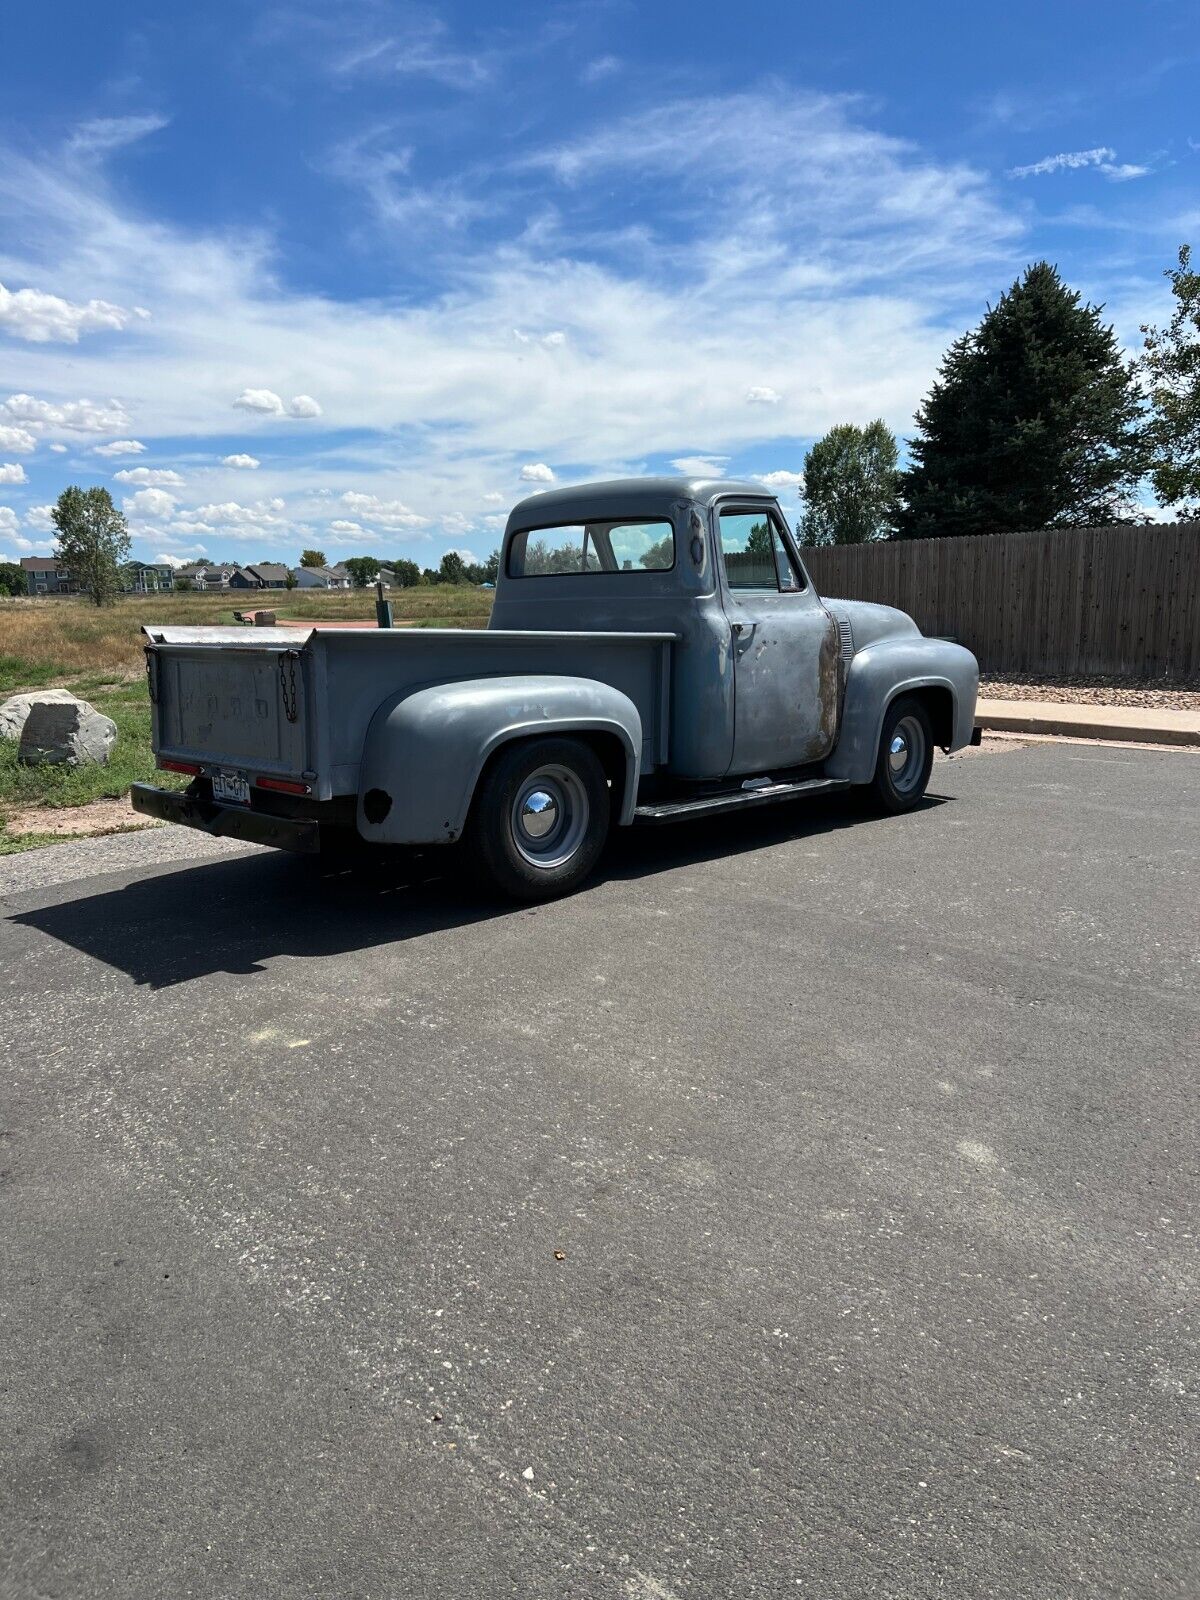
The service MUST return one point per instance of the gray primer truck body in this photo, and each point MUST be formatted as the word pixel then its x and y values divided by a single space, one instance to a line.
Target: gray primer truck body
pixel 697 689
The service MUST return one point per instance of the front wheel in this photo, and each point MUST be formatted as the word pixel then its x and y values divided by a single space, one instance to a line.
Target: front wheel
pixel 905 756
pixel 540 818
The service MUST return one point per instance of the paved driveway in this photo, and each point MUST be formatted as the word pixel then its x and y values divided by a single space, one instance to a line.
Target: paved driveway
pixel 807 1208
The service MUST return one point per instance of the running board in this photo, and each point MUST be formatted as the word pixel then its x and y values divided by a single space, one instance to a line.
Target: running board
pixel 711 805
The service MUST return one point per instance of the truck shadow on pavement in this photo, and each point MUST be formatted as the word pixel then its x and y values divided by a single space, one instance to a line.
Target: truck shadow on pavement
pixel 235 914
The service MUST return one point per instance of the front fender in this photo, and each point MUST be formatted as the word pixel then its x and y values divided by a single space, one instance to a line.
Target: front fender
pixel 425 748
pixel 881 671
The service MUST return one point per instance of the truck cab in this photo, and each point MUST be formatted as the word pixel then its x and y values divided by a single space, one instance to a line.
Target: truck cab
pixel 656 650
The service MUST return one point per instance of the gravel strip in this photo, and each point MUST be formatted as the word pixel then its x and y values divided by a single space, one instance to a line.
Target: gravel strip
pixel 1090 692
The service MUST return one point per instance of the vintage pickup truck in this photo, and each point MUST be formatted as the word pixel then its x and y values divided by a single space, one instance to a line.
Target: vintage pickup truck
pixel 656 651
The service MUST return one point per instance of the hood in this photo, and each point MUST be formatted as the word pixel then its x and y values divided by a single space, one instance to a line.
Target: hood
pixel 870 623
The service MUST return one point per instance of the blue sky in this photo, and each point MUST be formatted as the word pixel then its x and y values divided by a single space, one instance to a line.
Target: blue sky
pixel 362 275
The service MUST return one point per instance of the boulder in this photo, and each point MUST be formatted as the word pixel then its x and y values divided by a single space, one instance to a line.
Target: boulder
pixel 14 712
pixel 66 733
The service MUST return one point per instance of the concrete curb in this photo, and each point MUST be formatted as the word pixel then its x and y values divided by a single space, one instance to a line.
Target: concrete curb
pixel 1127 724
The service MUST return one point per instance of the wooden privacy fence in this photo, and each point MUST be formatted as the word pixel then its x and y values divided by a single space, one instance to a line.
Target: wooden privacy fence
pixel 1120 600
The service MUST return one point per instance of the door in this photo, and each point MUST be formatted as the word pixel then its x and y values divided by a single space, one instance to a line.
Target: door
pixel 784 643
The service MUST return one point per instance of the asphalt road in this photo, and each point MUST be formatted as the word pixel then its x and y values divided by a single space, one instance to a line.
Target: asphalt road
pixel 870 1149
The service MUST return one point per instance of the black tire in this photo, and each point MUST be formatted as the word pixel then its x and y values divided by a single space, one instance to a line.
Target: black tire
pixel 523 854
pixel 902 773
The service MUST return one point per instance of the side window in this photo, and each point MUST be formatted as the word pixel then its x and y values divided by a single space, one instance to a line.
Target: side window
pixel 755 554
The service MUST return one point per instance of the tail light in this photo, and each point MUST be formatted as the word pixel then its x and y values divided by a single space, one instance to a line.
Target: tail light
pixel 190 768
pixel 283 785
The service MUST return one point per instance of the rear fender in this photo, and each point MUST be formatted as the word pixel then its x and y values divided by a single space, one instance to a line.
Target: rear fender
pixel 880 672
pixel 426 748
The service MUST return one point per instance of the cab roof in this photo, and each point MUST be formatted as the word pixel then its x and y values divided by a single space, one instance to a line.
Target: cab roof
pixel 625 497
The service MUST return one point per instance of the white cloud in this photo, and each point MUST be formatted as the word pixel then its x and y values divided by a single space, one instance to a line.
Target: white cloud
pixel 149 503
pixel 549 341
pixel 232 514
pixel 41 518
pixel 104 134
pixel 848 268
pixel 19 440
pixel 46 318
pixel 119 447
pixel 536 472
pixel 268 404
pixel 168 560
pixel 353 532
pixel 246 462
pixel 701 466
pixel 602 67
pixel 149 477
pixel 265 401
pixel 59 449
pixel 77 416
pixel 493 498
pixel 389 514
pixel 8 522
pixel 782 480
pixel 12 472
pixel 1103 158
pixel 760 395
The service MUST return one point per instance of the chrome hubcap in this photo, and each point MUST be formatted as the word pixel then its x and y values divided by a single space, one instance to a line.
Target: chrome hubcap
pixel 906 754
pixel 550 816
pixel 539 814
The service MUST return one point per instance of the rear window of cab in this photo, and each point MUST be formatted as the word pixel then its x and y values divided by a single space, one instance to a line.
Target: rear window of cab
pixel 577 549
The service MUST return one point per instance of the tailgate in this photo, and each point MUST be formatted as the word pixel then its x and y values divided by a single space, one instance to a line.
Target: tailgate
pixel 238 705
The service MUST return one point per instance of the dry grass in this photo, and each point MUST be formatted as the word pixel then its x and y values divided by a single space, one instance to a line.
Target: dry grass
pixel 40 639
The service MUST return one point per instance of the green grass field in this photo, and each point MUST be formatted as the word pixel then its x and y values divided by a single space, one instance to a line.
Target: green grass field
pixel 96 653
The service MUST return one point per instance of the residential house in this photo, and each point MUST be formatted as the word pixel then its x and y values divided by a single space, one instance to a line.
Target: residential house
pixel 269 574
pixel 321 578
pixel 335 577
pixel 47 575
pixel 146 577
pixel 227 576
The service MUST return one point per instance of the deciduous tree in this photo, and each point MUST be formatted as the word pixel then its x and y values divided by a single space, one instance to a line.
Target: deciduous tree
pixel 1170 366
pixel 850 483
pixel 93 540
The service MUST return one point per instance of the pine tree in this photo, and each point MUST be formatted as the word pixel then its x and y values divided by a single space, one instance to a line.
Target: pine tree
pixel 1031 422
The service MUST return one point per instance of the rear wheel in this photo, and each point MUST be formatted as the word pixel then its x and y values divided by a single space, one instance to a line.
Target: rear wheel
pixel 540 818
pixel 905 756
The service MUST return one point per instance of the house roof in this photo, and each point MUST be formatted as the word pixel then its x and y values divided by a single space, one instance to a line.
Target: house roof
pixel 268 569
pixel 41 564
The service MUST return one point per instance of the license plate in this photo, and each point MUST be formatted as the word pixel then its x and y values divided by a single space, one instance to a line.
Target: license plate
pixel 231 788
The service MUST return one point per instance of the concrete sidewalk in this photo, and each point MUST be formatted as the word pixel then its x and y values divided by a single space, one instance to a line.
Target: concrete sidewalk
pixel 1131 724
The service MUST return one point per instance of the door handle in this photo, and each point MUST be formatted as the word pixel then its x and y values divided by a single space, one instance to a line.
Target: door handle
pixel 743 633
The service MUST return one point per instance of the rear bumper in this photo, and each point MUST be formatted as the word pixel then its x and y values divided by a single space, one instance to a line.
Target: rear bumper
pixel 233 822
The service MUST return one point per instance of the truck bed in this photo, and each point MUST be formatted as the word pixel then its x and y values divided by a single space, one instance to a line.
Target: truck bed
pixel 292 702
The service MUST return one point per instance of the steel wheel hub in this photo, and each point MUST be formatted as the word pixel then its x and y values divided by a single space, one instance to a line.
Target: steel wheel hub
pixel 906 754
pixel 549 817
